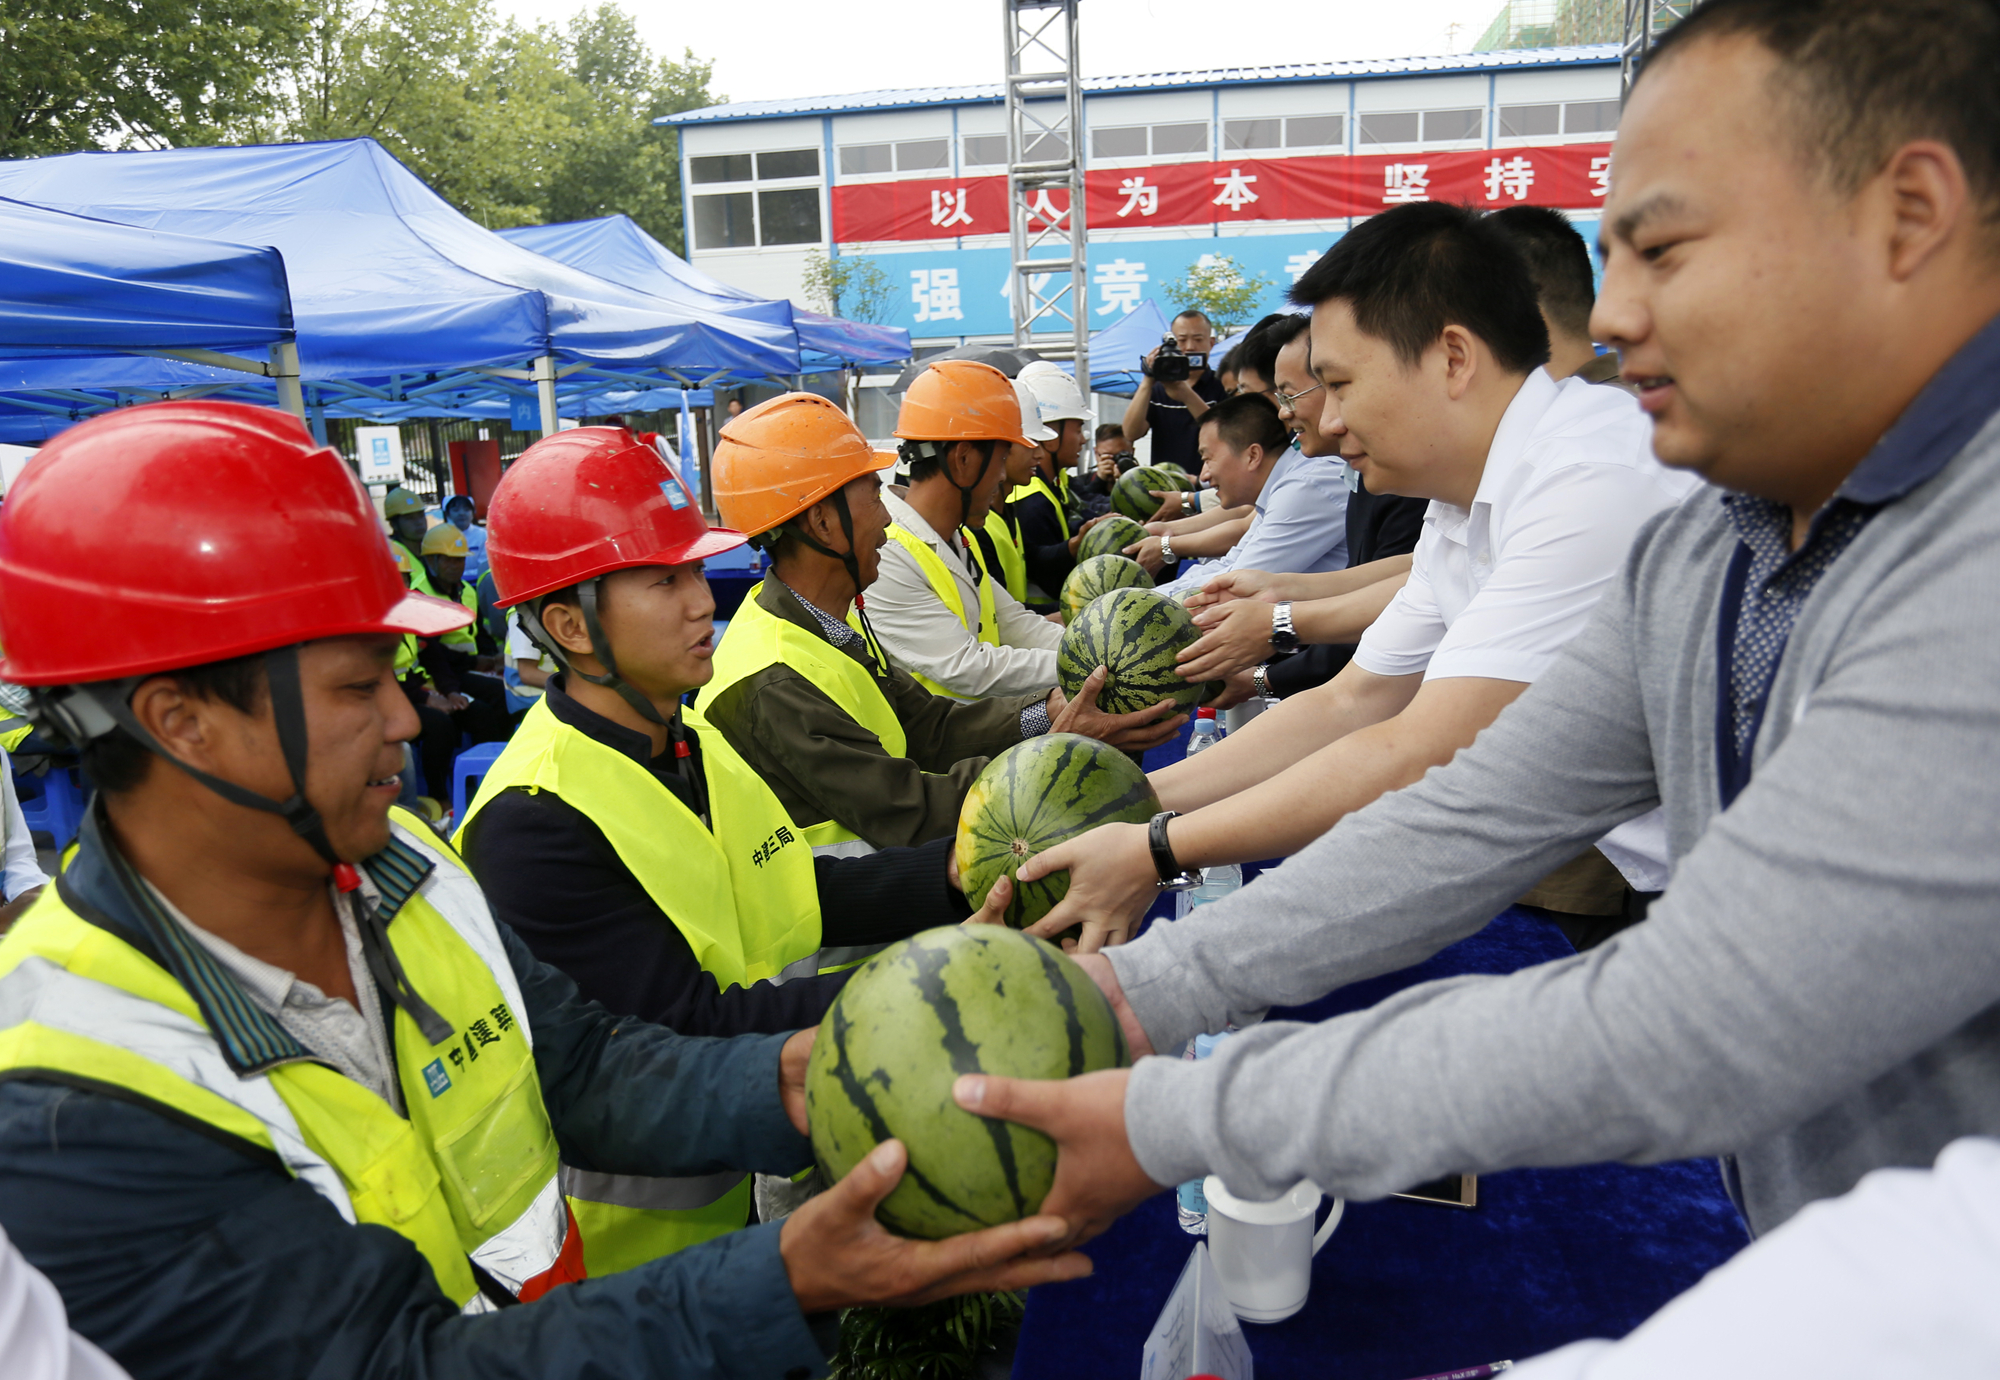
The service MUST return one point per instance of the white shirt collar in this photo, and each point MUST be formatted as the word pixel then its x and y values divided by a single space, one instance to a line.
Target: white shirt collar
pixel 1535 396
pixel 910 520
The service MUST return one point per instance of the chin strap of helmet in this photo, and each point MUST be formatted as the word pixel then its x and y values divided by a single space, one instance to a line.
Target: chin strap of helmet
pixel 940 451
pixel 600 651
pixel 850 559
pixel 85 713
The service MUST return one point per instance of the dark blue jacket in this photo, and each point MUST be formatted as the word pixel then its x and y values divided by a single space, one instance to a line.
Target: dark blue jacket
pixel 185 1253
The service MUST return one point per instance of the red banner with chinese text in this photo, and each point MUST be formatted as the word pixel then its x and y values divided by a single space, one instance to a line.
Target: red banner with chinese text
pixel 1571 176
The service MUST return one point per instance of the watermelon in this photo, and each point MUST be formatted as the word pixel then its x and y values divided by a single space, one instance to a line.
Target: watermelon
pixel 1134 634
pixel 1100 575
pixel 1110 537
pixel 1133 494
pixel 1183 481
pixel 950 1001
pixel 1034 796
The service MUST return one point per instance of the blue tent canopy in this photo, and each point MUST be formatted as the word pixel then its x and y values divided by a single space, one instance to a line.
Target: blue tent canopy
pixel 78 286
pixel 615 248
pixel 1116 350
pixel 386 278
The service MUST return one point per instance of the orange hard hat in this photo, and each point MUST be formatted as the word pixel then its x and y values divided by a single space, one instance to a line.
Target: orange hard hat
pixel 781 457
pixel 961 400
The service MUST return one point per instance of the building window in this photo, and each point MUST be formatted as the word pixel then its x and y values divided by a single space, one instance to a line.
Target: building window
pixel 862 159
pixel 1253 134
pixel 985 150
pixel 1140 141
pixel 1315 131
pixel 1391 127
pixel 1590 117
pixel 725 221
pixel 790 216
pixel 1530 121
pixel 727 167
pixel 923 155
pixel 1453 126
pixel 756 213
pixel 787 163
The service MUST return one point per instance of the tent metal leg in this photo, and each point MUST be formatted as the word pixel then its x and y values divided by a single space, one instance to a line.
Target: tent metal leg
pixel 285 370
pixel 545 388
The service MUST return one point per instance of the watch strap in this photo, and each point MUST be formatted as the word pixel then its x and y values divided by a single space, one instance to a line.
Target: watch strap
pixel 1164 861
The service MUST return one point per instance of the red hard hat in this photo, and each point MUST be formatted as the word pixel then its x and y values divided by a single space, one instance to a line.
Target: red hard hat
pixel 179 533
pixel 585 502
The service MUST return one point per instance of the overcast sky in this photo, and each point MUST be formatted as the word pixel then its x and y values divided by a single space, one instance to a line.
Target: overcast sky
pixel 765 49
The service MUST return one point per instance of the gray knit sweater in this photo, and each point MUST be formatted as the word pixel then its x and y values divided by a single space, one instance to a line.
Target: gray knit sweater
pixel 1817 994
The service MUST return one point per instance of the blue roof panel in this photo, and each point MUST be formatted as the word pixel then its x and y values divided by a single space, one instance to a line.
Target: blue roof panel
pixel 984 93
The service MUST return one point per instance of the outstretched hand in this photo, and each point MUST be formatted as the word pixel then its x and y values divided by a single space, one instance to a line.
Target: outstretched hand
pixel 1111 882
pixel 994 909
pixel 1235 637
pixel 838 1256
pixel 1098 1179
pixel 1135 731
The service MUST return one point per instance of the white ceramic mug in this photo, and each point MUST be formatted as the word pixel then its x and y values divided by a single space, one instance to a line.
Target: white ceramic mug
pixel 1263 1251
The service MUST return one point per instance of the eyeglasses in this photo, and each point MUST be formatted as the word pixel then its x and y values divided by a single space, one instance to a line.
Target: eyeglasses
pixel 1291 400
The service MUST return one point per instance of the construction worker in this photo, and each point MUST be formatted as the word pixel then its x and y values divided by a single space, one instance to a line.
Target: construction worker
pixel 278 1096
pixel 860 755
pixel 1044 511
pixel 627 844
pixel 407 526
pixel 934 609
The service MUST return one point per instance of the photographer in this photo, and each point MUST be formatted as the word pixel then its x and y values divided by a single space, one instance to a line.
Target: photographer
pixel 1114 457
pixel 1183 389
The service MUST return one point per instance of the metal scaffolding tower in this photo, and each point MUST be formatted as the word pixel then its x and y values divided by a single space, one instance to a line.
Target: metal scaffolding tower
pixel 1045 155
pixel 1645 21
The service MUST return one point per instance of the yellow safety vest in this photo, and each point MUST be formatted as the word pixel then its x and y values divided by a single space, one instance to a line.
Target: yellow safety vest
pixel 1039 485
pixel 13 730
pixel 469 1176
pixel 759 638
pixel 744 895
pixel 1007 550
pixel 947 589
pixel 466 637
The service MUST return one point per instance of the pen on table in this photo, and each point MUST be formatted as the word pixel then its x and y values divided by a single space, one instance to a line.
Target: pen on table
pixel 1474 1373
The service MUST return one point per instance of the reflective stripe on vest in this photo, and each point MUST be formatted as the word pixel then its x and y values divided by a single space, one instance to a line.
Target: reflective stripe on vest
pixel 13 730
pixel 758 639
pixel 1006 540
pixel 744 895
pixel 1039 485
pixel 468 1177
pixel 946 586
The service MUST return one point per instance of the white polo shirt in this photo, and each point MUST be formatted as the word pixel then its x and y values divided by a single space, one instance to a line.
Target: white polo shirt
pixel 1497 589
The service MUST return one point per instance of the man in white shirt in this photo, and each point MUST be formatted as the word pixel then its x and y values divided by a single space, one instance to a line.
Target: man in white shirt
pixel 933 607
pixel 1428 340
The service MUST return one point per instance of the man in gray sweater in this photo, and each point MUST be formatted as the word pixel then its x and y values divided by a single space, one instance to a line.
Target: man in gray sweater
pixel 1803 669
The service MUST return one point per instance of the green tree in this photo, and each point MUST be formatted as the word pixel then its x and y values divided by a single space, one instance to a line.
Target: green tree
pixel 852 287
pixel 84 74
pixel 1218 287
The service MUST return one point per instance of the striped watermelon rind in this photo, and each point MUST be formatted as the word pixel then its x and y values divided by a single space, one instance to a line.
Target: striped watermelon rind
pixel 1100 575
pixel 950 1001
pixel 1133 494
pixel 1034 796
pixel 1110 537
pixel 1134 634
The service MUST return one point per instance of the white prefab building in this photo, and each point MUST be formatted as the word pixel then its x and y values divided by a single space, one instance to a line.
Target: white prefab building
pixel 1264 165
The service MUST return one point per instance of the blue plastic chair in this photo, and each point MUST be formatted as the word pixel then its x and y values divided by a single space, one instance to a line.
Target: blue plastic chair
pixel 471 766
pixel 58 809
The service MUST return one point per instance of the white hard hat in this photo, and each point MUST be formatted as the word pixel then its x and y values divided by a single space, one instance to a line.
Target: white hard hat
pixel 1057 397
pixel 1031 406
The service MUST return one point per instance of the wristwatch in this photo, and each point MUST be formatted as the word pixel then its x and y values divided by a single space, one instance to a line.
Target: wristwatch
pixel 1282 636
pixel 1260 682
pixel 1167 548
pixel 1173 877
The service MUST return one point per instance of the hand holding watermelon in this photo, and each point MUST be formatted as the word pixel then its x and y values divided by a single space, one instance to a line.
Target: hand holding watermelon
pixel 1108 880
pixel 838 1255
pixel 1142 728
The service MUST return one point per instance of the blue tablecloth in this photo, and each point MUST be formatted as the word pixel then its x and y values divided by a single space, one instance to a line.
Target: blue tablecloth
pixel 1404 1288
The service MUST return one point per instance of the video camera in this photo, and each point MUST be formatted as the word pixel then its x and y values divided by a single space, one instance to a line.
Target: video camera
pixel 1172 364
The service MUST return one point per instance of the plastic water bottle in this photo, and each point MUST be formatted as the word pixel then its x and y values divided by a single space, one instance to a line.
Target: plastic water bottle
pixel 1190 1203
pixel 1206 730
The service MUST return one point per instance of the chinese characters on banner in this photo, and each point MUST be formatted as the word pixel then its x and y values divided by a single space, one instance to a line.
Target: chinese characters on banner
pixel 1572 176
